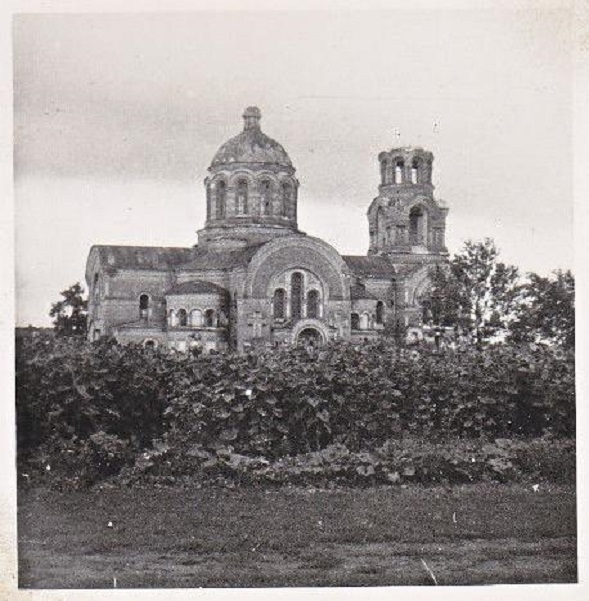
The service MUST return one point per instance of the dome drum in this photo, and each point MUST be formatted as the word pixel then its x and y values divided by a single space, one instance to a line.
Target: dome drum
pixel 251 186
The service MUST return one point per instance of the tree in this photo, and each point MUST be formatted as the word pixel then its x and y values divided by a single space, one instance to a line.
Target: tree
pixel 548 310
pixel 475 292
pixel 70 314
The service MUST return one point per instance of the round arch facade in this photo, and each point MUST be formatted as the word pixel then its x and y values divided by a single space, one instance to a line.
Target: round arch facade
pixel 302 252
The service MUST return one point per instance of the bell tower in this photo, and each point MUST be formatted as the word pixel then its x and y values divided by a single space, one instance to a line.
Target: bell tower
pixel 405 220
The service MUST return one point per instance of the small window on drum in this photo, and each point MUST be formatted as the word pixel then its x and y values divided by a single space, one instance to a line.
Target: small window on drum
pixel 285 199
pixel 220 199
pixel 266 197
pixel 182 317
pixel 242 197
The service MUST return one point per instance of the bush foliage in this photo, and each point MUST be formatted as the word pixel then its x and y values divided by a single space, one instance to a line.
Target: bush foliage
pixel 88 410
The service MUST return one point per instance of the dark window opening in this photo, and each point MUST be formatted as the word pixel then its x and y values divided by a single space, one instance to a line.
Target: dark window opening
pixel 182 318
pixel 242 197
pixel 355 321
pixel 380 225
pixel 416 219
pixel 210 318
pixel 415 171
pixel 296 294
pixel 286 198
pixel 279 302
pixel 399 166
pixel 143 306
pixel 380 312
pixel 313 304
pixel 221 197
pixel 266 197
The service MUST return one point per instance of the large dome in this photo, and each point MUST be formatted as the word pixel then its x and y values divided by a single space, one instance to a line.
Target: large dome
pixel 251 146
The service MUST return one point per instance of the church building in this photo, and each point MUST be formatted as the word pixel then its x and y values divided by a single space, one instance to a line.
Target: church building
pixel 255 280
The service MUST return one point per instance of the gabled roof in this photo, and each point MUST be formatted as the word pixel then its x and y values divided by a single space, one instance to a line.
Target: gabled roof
pixel 214 260
pixel 371 266
pixel 163 258
pixel 142 257
pixel 196 287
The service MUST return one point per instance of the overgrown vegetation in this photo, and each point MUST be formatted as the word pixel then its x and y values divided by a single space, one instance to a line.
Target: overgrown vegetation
pixel 486 299
pixel 373 413
pixel 70 313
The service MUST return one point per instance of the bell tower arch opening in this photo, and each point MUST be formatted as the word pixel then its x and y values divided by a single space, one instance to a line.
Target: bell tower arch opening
pixel 418 226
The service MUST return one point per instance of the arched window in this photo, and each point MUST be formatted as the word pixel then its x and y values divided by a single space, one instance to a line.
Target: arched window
pixel 380 226
pixel 143 306
pixel 296 295
pixel 285 198
pixel 355 318
pixel 220 199
pixel 313 304
pixel 182 318
pixel 241 199
pixel 415 171
pixel 149 343
pixel 278 304
pixel 380 312
pixel 266 197
pixel 95 287
pixel 210 318
pixel 172 318
pixel 364 321
pixel 196 318
pixel 416 226
pixel 399 166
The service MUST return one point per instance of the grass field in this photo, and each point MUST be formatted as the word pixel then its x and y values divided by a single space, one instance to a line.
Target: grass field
pixel 296 537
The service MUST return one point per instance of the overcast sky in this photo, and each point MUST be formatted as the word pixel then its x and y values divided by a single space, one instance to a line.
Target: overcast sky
pixel 117 118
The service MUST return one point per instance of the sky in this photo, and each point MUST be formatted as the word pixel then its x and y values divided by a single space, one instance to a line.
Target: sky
pixel 117 117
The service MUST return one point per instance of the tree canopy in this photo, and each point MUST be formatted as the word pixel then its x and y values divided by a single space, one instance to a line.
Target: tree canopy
pixel 71 312
pixel 474 292
pixel 548 310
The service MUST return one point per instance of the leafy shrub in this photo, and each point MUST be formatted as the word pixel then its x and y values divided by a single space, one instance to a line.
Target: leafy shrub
pixel 85 409
pixel 396 462
pixel 101 405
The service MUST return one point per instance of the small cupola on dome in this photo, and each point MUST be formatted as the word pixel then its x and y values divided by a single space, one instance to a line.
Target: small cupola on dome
pixel 251 117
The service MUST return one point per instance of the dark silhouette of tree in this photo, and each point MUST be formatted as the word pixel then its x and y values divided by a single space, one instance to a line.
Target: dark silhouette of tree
pixel 70 314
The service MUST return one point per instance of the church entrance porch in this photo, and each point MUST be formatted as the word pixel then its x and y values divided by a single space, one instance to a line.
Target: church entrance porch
pixel 310 337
